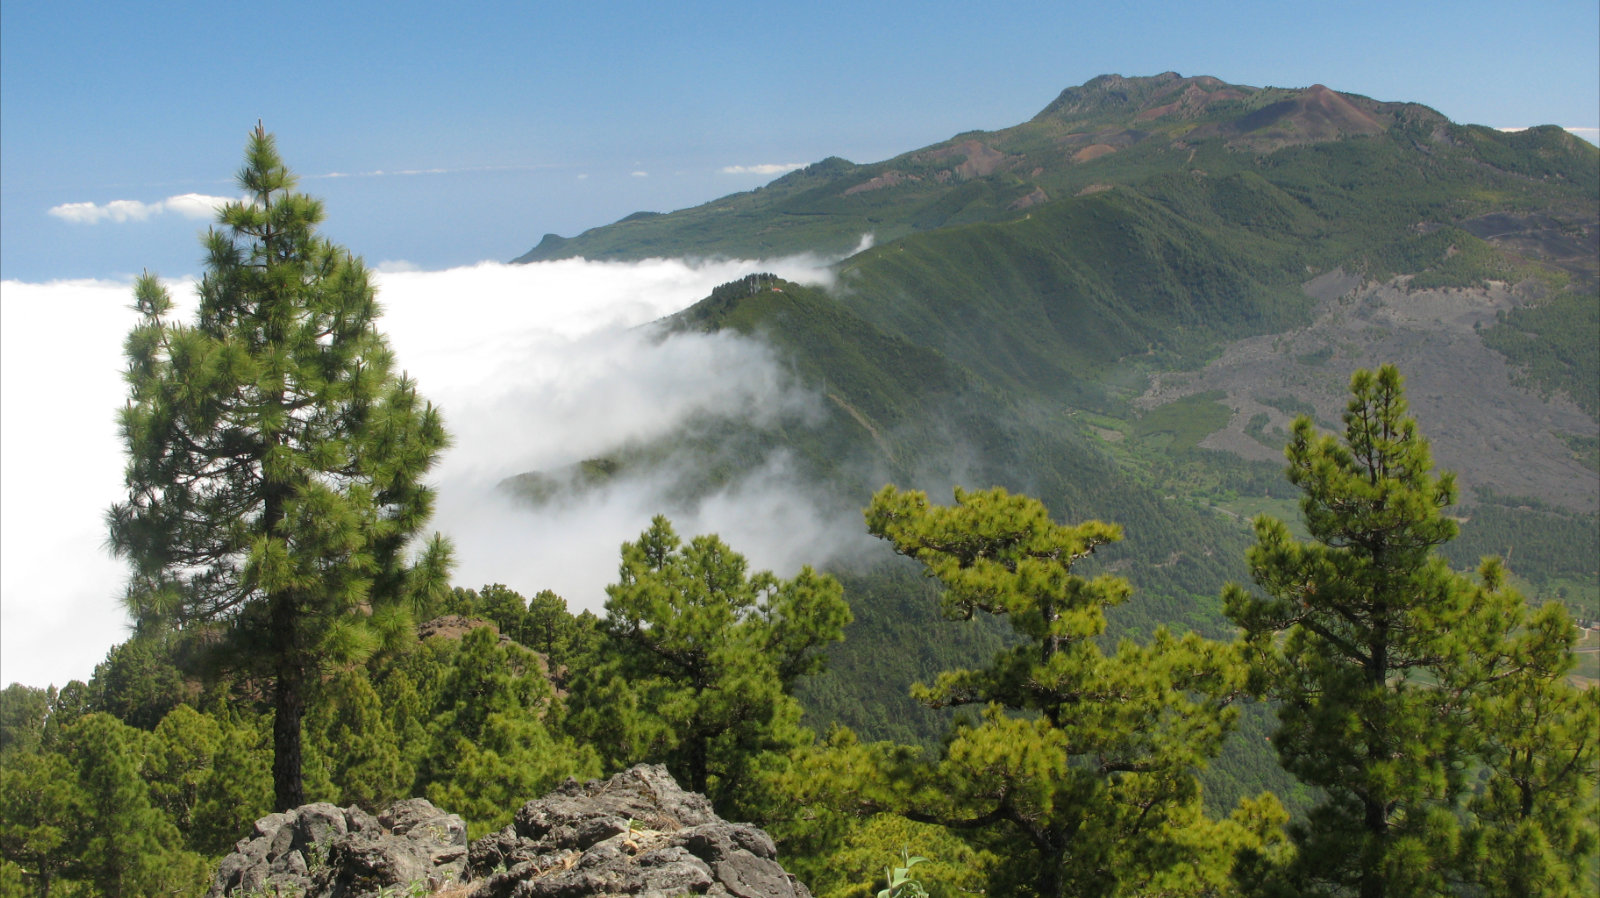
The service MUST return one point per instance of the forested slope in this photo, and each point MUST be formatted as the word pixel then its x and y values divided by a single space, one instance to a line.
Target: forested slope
pixel 1089 339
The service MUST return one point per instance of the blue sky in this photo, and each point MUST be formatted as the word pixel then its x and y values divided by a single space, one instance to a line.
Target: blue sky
pixel 497 122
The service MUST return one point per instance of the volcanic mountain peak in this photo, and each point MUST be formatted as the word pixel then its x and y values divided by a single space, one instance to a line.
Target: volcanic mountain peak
pixel 1144 97
pixel 1260 119
pixel 1112 130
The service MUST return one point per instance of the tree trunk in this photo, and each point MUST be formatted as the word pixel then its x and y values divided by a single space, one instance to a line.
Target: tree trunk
pixel 289 706
pixel 1375 807
pixel 699 763
pixel 1049 884
pixel 1372 878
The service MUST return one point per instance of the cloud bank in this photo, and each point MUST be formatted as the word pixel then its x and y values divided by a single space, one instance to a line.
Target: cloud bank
pixel 771 168
pixel 535 367
pixel 188 205
pixel 1590 134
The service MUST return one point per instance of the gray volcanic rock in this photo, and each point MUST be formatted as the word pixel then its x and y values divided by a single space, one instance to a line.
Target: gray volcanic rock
pixel 321 851
pixel 636 833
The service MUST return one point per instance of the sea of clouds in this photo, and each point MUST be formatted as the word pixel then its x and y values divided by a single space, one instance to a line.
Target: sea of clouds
pixel 535 367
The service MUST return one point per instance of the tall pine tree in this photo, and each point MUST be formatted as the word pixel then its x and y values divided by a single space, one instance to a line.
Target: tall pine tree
pixel 1396 677
pixel 1080 771
pixel 275 458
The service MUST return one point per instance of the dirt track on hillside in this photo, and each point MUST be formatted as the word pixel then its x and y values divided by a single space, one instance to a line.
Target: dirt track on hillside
pixel 1481 424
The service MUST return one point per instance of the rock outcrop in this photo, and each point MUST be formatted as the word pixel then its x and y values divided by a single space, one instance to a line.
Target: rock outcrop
pixel 636 833
pixel 321 851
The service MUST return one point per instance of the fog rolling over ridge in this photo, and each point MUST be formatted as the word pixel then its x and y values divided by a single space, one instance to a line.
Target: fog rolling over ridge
pixel 538 368
pixel 535 367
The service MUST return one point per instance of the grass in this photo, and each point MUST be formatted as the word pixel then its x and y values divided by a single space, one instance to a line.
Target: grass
pixel 1182 424
pixel 1587 672
pixel 1247 508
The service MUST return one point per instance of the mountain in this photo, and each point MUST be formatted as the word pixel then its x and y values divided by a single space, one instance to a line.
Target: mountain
pixel 1120 305
pixel 1331 151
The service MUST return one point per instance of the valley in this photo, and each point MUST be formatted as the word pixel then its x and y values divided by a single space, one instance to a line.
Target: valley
pixel 1121 305
pixel 1067 609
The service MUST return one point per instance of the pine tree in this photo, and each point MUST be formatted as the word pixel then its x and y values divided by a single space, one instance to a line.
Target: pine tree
pixel 352 737
pixel 128 847
pixel 1536 820
pixel 1080 771
pixel 275 459
pixel 707 659
pixel 492 737
pixel 23 710
pixel 182 757
pixel 1395 676
pixel 238 789
pixel 41 804
pixel 139 682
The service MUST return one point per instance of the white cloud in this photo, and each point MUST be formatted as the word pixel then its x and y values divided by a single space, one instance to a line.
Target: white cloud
pixel 534 366
pixel 1590 134
pixel 771 168
pixel 196 205
pixel 188 205
pixel 640 174
pixel 60 468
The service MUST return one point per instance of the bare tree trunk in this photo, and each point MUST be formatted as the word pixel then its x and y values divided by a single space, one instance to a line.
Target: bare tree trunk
pixel 289 708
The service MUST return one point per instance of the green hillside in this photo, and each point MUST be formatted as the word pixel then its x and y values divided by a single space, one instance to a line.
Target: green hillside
pixel 1139 225
pixel 898 412
pixel 1027 284
pixel 1050 301
pixel 1367 170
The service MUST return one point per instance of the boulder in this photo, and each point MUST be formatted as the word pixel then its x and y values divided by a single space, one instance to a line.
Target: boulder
pixel 636 833
pixel 322 851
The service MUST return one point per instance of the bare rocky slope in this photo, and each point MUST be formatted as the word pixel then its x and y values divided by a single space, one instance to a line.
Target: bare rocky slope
pixel 1484 421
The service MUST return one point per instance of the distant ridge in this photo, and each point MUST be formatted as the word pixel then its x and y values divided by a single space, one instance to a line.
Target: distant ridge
pixel 1305 115
pixel 1111 130
pixel 1122 304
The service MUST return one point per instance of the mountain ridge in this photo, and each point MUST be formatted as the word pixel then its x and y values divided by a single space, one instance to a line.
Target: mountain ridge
pixel 1111 130
pixel 1086 272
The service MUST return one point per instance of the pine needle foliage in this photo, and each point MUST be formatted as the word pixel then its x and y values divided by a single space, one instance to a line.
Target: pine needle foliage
pixel 1399 679
pixel 704 659
pixel 1080 770
pixel 275 458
